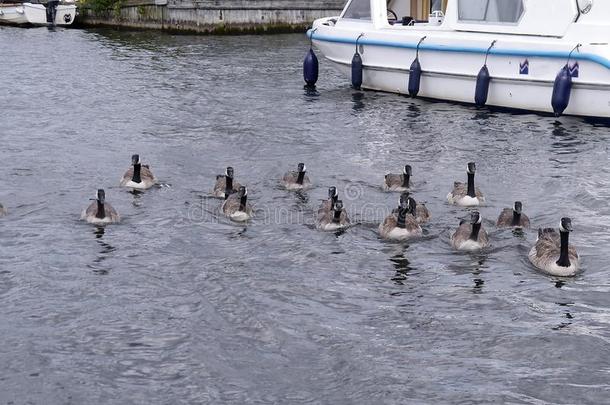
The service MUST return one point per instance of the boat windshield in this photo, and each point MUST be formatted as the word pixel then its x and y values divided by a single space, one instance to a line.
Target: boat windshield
pixel 358 10
pixel 503 11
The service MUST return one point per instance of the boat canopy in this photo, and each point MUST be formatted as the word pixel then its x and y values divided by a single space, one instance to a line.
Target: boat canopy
pixel 550 18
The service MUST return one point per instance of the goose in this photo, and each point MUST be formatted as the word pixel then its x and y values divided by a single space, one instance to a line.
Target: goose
pixel 297 180
pixel 138 176
pixel 470 235
pixel 2 210
pixel 236 206
pixel 465 194
pixel 398 182
pixel 99 212
pixel 327 205
pixel 226 184
pixel 419 211
pixel 552 253
pixel 513 217
pixel 334 220
pixel 400 224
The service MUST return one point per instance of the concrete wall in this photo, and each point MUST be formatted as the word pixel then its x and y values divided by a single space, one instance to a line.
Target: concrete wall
pixel 214 16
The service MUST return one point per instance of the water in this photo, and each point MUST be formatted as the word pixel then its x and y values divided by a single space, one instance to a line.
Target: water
pixel 177 305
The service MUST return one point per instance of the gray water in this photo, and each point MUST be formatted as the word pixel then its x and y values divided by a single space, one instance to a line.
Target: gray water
pixel 177 305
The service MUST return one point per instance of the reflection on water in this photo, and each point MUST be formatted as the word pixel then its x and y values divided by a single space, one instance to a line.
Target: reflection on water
pixel 104 252
pixel 478 286
pixel 197 309
pixel 358 100
pixel 401 263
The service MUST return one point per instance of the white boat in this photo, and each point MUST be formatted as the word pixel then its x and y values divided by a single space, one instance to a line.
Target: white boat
pixel 534 51
pixel 52 13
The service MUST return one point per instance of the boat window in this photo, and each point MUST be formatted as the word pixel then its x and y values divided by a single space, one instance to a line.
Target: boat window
pixel 358 10
pixel 504 11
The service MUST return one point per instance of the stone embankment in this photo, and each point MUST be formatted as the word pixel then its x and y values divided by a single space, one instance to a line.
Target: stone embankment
pixel 208 16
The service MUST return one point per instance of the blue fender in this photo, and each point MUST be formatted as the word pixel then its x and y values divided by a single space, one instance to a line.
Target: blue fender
pixel 310 68
pixel 561 91
pixel 414 78
pixel 357 71
pixel 482 89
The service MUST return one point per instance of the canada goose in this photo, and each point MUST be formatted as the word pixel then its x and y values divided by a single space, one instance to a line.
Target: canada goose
pixel 2 210
pixel 327 205
pixel 398 182
pixel 465 194
pixel 513 217
pixel 401 224
pixel 226 184
pixel 236 206
pixel 334 220
pixel 470 235
pixel 552 253
pixel 138 176
pixel 419 211
pixel 297 180
pixel 99 212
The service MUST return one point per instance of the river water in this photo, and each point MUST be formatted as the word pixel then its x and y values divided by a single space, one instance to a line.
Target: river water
pixel 177 305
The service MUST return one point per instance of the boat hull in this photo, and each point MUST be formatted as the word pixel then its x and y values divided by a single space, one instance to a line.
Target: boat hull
pixel 450 67
pixel 28 14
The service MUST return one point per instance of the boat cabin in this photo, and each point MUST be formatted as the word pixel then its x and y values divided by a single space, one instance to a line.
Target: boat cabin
pixel 551 18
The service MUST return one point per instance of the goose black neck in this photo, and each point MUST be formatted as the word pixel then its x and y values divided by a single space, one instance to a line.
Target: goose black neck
pixel 402 217
pixel 136 173
pixel 474 235
pixel 471 185
pixel 301 177
pixel 405 180
pixel 101 212
pixel 564 259
pixel 516 218
pixel 337 217
pixel 333 200
pixel 228 183
pixel 242 203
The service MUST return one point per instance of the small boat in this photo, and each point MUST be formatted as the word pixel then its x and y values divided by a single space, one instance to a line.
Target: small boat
pixel 545 56
pixel 51 13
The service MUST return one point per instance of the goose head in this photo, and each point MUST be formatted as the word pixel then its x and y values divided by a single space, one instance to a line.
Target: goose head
pixel 302 168
pixel 412 205
pixel 229 172
pixel 565 225
pixel 404 203
pixel 518 207
pixel 407 170
pixel 135 159
pixel 332 192
pixel 475 218
pixel 471 168
pixel 100 196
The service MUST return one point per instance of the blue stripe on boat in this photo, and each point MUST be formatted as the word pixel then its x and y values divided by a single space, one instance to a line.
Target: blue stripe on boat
pixel 465 49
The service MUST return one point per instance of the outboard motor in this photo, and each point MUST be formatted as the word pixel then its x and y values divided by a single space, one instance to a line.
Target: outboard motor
pixel 357 67
pixel 415 73
pixel 310 64
pixel 51 11
pixel 481 90
pixel 563 87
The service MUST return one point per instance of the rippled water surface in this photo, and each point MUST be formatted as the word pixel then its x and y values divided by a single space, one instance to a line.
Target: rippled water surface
pixel 177 305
